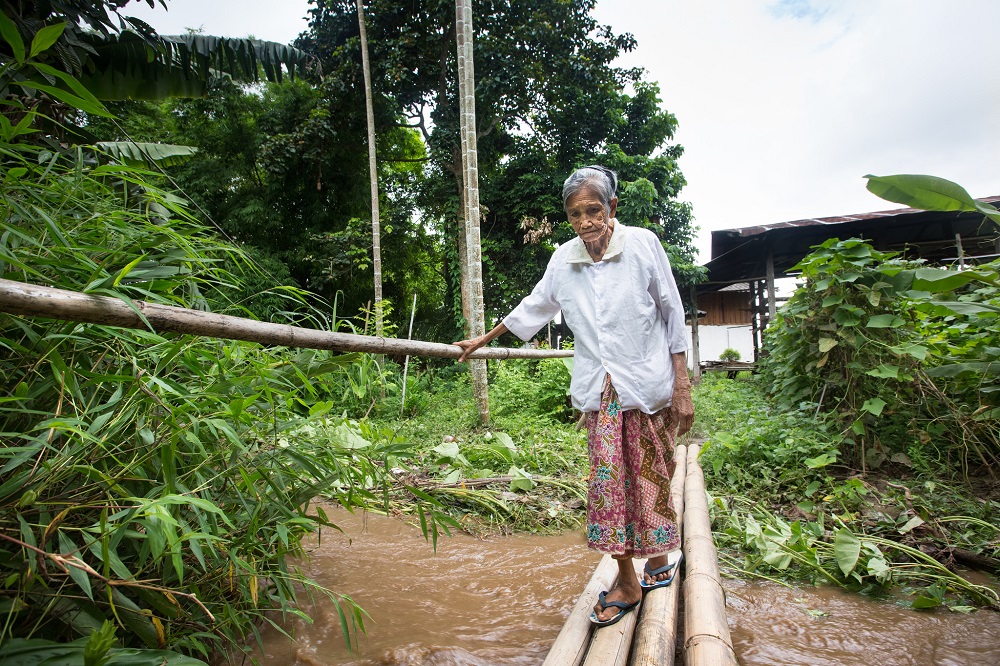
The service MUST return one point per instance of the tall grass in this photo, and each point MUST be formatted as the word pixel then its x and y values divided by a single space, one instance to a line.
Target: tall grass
pixel 158 483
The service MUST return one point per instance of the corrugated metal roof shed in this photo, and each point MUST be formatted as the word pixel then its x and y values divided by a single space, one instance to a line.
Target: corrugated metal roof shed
pixel 740 255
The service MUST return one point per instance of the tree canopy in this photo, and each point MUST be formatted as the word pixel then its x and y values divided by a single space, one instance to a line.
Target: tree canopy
pixel 281 167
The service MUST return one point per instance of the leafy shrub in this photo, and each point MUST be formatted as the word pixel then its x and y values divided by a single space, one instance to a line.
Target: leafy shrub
pixel 157 482
pixel 890 350
pixel 729 355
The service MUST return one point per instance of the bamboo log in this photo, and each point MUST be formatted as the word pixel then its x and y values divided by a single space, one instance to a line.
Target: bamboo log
pixel 34 301
pixel 706 630
pixel 609 645
pixel 571 644
pixel 655 639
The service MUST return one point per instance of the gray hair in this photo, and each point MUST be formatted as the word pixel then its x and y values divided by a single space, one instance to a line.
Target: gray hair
pixel 600 180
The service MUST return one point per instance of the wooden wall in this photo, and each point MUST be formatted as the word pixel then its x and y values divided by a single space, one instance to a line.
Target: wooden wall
pixel 725 308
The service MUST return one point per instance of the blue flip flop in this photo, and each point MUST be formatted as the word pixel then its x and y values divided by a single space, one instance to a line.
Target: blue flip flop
pixel 625 610
pixel 652 573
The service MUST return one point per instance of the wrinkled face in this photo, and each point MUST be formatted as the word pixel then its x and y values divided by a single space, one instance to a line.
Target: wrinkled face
pixel 587 214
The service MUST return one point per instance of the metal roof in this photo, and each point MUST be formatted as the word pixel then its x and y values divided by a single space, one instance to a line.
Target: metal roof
pixel 739 255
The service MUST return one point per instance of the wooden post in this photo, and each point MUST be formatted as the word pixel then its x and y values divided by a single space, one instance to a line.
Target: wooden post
pixel 706 630
pixel 29 300
pixel 695 342
pixel 372 170
pixel 772 308
pixel 961 252
pixel 755 320
pixel 655 639
pixel 470 179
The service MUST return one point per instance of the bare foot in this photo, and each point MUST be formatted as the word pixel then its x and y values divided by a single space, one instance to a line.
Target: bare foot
pixel 627 593
pixel 672 557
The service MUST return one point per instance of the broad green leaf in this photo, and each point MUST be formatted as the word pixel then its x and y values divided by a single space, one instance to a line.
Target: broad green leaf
pixel 928 193
pixel 147 154
pixel 913 522
pixel 937 280
pixel 884 321
pixel 821 460
pixel 884 371
pixel 847 315
pixel 874 406
pixel 522 480
pixel 847 549
pixel 447 450
pixel 835 299
pixel 46 37
pixel 952 370
pixel 918 352
pixel 969 309
pixel 826 344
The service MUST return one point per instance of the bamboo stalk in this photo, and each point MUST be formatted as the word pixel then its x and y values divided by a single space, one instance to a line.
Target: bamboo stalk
pixel 34 301
pixel 609 646
pixel 655 639
pixel 706 630
pixel 571 644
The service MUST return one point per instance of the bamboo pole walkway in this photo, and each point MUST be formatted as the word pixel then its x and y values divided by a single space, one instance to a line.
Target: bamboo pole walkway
pixel 649 636
pixel 19 298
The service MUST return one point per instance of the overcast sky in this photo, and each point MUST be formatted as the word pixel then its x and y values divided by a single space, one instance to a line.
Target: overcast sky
pixel 782 105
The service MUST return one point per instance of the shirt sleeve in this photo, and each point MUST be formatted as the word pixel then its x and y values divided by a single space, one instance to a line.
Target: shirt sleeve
pixel 536 310
pixel 668 298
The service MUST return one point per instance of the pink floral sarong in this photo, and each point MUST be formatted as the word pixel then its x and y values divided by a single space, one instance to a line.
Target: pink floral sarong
pixel 629 509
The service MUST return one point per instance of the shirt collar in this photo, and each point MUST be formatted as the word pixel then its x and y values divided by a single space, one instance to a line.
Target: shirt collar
pixel 577 253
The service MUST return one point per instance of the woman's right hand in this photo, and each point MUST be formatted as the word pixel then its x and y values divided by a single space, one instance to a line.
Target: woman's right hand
pixel 469 346
pixel 472 344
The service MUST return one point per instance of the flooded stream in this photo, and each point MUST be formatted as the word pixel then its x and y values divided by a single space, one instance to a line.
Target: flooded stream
pixel 502 601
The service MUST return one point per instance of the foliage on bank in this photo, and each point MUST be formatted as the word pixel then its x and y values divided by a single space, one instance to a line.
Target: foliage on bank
pixel 860 456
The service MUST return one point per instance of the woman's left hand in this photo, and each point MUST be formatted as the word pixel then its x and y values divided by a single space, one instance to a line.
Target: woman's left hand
pixel 682 408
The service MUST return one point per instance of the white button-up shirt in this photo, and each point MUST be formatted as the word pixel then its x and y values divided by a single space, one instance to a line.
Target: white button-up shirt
pixel 625 313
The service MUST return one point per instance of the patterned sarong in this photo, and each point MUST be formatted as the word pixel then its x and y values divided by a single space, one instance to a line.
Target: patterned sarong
pixel 629 510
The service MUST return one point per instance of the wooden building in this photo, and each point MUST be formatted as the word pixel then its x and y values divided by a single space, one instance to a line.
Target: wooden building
pixel 746 261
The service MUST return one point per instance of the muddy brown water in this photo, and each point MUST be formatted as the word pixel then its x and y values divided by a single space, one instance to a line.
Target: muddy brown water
pixel 501 601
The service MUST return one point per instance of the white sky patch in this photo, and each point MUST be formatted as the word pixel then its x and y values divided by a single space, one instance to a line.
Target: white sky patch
pixel 783 105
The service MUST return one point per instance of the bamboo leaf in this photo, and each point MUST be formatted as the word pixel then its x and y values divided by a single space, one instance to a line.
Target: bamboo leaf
pixel 12 36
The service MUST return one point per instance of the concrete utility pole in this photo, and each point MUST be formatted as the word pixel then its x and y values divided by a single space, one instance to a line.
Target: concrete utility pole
pixel 373 172
pixel 470 178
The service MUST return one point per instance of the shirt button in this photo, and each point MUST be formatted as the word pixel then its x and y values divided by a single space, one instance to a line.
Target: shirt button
pixel 604 363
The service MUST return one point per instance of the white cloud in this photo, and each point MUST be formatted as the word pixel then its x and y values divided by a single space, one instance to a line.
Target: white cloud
pixel 280 21
pixel 783 107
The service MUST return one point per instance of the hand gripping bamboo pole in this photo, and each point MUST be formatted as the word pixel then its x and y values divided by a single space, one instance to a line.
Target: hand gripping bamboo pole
pixel 34 301
pixel 706 631
pixel 655 639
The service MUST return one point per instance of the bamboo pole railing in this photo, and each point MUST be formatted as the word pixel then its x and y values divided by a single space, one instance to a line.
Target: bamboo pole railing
pixel 707 641
pixel 29 300
pixel 649 636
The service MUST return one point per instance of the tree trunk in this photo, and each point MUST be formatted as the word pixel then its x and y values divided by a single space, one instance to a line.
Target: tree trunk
pixel 470 172
pixel 373 173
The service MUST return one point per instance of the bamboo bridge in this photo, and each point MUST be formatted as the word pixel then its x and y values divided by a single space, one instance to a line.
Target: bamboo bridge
pixel 650 636
pixel 647 637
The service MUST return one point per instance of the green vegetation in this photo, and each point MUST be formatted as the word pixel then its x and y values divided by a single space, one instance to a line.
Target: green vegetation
pixel 156 491
pixel 862 455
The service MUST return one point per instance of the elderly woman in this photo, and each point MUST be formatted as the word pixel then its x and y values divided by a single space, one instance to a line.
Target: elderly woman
pixel 614 286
